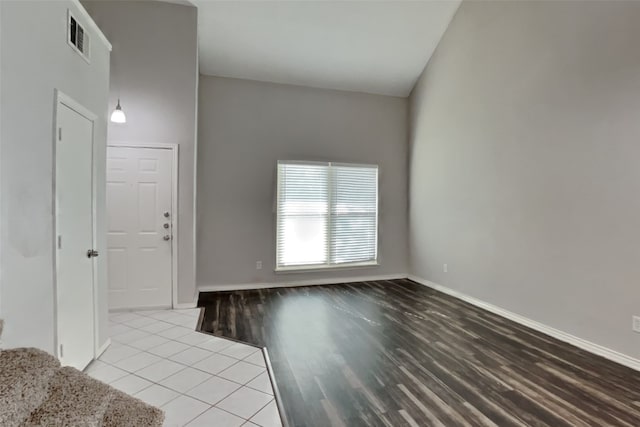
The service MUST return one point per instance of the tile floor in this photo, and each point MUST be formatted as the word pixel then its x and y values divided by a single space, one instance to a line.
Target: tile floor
pixel 197 379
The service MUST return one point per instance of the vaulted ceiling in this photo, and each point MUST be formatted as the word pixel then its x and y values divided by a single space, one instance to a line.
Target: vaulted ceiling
pixel 365 46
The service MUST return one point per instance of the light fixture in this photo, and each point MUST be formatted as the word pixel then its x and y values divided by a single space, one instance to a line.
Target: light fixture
pixel 118 115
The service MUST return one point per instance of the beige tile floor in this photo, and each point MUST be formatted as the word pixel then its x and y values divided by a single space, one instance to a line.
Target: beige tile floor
pixel 196 379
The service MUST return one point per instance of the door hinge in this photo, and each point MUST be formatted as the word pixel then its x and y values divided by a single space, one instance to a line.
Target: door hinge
pixel 59 242
pixel 59 134
pixel 61 355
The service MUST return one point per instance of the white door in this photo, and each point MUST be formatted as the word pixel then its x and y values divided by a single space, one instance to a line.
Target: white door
pixel 74 229
pixel 139 227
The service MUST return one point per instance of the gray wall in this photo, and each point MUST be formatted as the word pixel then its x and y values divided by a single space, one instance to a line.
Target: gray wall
pixel 32 66
pixel 525 141
pixel 246 127
pixel 154 70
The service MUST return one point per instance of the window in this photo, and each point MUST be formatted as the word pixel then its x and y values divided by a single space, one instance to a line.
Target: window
pixel 327 215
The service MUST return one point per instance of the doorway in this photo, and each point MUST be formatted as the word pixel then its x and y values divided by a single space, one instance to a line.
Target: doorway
pixel 141 226
pixel 74 233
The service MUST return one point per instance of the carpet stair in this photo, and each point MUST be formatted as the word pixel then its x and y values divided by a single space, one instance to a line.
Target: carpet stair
pixel 24 381
pixel 36 391
pixel 74 399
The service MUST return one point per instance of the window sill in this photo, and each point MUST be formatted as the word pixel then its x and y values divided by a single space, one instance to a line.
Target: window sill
pixel 317 269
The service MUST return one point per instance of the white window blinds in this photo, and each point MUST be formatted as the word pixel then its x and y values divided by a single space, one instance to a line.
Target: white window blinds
pixel 327 215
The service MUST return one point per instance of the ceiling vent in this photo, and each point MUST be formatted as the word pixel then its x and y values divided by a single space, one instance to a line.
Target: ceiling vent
pixel 77 37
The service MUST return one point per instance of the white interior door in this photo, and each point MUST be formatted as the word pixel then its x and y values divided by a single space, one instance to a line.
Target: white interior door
pixel 139 227
pixel 74 229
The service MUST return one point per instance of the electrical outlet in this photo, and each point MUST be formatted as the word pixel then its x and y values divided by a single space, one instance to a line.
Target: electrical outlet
pixel 445 268
pixel 258 265
pixel 636 323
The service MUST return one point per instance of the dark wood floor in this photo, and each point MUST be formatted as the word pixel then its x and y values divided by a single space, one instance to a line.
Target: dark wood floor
pixel 395 353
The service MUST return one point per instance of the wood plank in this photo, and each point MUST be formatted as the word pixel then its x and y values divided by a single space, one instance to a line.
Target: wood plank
pixel 395 353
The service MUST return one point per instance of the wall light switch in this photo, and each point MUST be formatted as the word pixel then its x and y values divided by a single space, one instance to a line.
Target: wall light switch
pixel 636 323
pixel 258 265
pixel 445 268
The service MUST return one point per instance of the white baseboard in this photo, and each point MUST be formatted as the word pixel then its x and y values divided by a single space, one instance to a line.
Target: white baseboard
pixel 182 305
pixel 589 346
pixel 129 309
pixel 313 282
pixel 103 348
pixel 185 305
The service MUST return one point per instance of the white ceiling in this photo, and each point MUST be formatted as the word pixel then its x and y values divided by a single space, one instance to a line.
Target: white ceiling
pixel 364 46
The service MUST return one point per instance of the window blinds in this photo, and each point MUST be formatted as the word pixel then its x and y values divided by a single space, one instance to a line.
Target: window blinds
pixel 327 214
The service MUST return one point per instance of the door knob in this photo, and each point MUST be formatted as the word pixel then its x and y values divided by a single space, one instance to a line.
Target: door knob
pixel 166 214
pixel 165 225
pixel 166 237
pixel 92 253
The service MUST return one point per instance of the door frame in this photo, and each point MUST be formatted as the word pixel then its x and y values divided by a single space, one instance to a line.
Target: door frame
pixel 175 228
pixel 63 99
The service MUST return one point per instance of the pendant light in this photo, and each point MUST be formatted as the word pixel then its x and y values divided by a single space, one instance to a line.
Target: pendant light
pixel 118 115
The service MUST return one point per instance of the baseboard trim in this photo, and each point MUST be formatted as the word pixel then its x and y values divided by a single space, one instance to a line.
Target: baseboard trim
pixel 103 348
pixel 313 282
pixel 581 343
pixel 185 305
pixel 129 309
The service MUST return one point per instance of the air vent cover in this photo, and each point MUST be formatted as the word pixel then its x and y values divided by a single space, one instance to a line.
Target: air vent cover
pixel 77 37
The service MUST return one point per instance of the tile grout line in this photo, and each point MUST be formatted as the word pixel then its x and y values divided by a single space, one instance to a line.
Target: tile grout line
pixel 235 415
pixel 184 367
pixel 187 423
pixel 256 413
pixel 171 325
pixel 190 345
